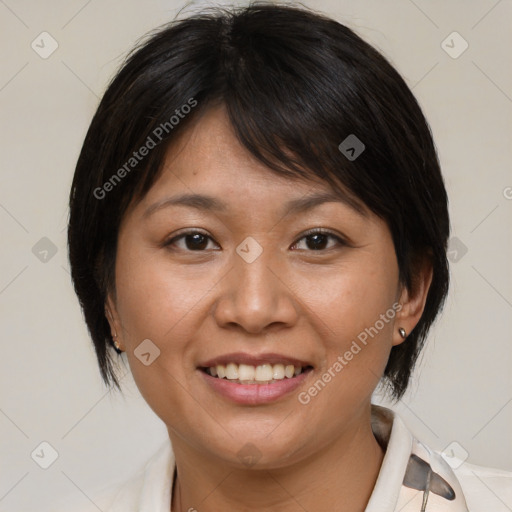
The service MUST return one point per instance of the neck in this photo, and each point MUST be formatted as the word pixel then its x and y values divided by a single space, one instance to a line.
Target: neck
pixel 338 476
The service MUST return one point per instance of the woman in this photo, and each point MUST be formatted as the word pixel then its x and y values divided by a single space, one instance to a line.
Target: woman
pixel 259 221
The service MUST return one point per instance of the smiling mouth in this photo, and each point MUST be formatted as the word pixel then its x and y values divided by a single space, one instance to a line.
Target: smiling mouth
pixel 249 374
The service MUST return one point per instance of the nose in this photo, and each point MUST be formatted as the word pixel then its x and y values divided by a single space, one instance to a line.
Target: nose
pixel 255 297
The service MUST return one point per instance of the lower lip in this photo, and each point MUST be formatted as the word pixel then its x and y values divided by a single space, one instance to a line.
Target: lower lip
pixel 254 394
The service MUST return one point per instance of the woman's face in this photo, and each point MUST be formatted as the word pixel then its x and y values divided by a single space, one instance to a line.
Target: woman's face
pixel 248 286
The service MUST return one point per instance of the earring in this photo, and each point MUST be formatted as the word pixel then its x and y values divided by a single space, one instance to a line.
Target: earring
pixel 402 332
pixel 117 346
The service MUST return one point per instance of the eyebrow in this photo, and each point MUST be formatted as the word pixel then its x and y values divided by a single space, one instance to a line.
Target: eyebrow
pixel 213 204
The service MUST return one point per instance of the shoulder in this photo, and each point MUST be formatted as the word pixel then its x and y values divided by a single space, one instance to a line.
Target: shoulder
pixel 445 483
pixel 485 488
pixel 104 498
pixel 148 489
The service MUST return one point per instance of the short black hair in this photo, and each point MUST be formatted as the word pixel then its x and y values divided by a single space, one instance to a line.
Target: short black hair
pixel 295 84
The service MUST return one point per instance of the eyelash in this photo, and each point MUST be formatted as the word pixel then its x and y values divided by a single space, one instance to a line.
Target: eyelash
pixel 314 231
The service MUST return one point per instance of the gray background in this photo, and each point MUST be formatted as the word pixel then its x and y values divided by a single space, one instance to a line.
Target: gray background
pixel 49 382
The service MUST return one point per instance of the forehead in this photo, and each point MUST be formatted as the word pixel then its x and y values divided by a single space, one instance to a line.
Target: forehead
pixel 208 159
pixel 210 152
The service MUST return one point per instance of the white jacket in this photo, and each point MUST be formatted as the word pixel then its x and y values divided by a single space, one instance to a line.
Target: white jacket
pixel 412 476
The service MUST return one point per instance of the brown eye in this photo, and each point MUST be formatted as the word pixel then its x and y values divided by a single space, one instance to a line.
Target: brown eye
pixel 193 241
pixel 317 240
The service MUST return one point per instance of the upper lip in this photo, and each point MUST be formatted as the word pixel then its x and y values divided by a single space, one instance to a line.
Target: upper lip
pixel 253 360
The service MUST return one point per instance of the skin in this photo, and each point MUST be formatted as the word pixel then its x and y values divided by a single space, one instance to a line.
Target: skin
pixel 293 300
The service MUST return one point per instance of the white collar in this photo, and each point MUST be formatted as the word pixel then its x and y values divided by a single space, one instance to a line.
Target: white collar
pixel 408 462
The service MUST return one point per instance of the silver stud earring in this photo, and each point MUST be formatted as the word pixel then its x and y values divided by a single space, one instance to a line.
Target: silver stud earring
pixel 402 332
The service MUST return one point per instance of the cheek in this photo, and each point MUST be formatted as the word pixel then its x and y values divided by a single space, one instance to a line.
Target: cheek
pixel 153 304
pixel 354 311
pixel 156 304
pixel 155 297
pixel 348 300
pixel 356 346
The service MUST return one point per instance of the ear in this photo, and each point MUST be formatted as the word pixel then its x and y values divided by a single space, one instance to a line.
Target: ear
pixel 113 320
pixel 413 300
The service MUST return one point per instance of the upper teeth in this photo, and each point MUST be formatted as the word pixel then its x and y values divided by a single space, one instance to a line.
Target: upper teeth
pixel 248 373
